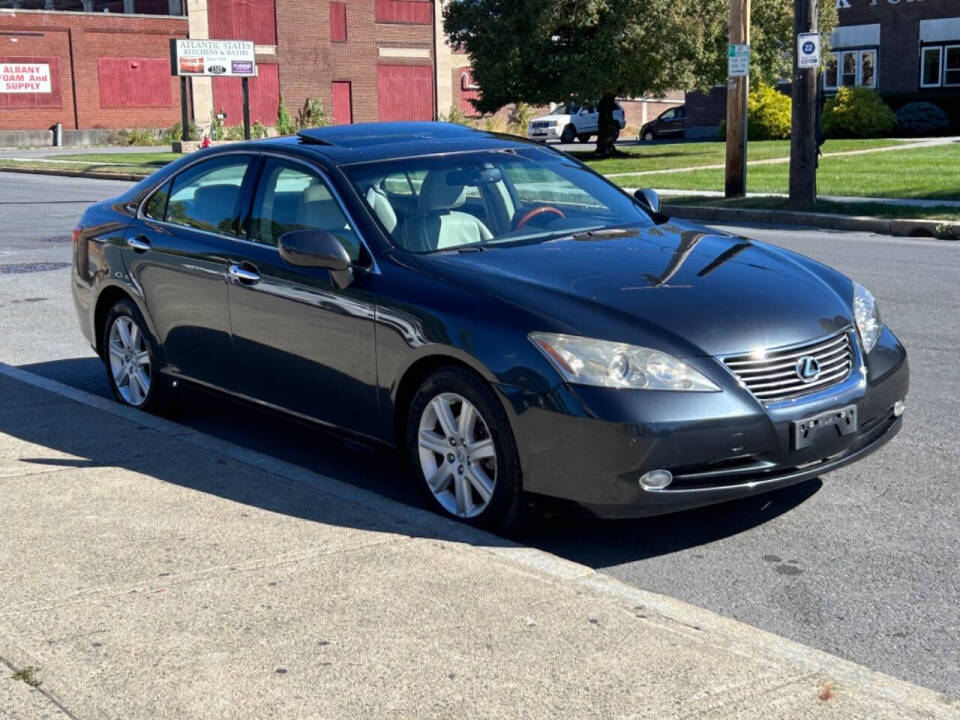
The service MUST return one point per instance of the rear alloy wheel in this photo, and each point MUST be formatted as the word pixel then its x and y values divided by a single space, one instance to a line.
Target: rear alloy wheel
pixel 648 136
pixel 462 450
pixel 584 137
pixel 130 358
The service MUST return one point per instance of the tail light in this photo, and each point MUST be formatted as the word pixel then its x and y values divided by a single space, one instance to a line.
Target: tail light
pixel 76 235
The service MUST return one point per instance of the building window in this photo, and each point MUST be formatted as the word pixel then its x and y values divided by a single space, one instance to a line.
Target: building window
pixel 338 22
pixel 951 66
pixel 940 66
pixel 412 12
pixel 851 68
pixel 930 72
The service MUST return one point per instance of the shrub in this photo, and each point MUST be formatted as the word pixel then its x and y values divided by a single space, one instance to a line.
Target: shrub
pixel 857 112
pixel 233 132
pixel 216 125
pixel 258 131
pixel 284 121
pixel 520 119
pixel 769 114
pixel 312 114
pixel 921 118
pixel 142 136
pixel 456 116
pixel 174 133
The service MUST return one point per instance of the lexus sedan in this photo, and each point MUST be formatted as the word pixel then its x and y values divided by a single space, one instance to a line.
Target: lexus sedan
pixel 519 327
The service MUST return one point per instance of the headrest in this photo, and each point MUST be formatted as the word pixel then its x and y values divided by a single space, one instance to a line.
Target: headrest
pixel 223 197
pixel 437 195
pixel 314 192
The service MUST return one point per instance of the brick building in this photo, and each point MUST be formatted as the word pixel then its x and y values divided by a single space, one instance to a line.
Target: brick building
pixel 90 69
pixel 908 50
pixel 105 63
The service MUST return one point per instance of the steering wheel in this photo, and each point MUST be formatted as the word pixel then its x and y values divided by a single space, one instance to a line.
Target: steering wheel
pixel 539 210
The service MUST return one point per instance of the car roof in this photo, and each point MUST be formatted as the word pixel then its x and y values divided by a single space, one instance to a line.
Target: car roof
pixel 366 142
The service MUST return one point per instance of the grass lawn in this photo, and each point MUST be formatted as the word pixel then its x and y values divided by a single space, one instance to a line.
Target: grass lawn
pixel 859 209
pixel 132 163
pixel 644 158
pixel 928 173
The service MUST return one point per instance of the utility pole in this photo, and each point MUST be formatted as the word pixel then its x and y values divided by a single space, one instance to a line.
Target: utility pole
pixel 803 138
pixel 738 85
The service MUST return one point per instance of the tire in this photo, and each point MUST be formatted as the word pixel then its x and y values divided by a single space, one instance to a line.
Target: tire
pixel 138 352
pixel 568 135
pixel 584 137
pixel 460 478
pixel 649 136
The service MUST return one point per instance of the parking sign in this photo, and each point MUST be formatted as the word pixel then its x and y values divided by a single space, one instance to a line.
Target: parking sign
pixel 808 50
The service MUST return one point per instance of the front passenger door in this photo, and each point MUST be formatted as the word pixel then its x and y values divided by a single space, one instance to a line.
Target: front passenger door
pixel 300 342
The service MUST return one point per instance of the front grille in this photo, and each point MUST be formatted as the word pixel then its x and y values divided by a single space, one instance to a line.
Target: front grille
pixel 540 125
pixel 775 376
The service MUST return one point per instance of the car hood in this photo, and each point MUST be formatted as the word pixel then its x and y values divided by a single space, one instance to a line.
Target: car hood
pixel 677 286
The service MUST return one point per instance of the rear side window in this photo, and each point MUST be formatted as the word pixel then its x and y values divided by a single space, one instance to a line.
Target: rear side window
pixel 156 206
pixel 207 195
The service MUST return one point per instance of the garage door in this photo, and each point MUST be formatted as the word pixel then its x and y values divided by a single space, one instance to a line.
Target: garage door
pixel 405 92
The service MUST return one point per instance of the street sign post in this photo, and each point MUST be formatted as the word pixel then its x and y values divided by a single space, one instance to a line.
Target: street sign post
pixel 213 58
pixel 738 84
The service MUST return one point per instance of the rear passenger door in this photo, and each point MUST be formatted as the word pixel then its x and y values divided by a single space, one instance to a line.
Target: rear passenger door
pixel 177 253
pixel 300 342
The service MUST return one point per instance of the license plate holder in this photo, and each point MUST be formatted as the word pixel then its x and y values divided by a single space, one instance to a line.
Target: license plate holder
pixel 805 431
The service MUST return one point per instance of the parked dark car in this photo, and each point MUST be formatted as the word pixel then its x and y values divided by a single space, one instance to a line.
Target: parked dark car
pixel 668 124
pixel 518 325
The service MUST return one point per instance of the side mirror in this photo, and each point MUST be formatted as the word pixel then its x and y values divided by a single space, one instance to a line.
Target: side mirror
pixel 649 198
pixel 317 249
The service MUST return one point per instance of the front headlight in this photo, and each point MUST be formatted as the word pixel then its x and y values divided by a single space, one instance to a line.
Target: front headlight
pixel 608 364
pixel 867 313
pixel 551 123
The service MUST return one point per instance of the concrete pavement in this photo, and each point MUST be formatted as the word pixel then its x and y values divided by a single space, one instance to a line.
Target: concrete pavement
pixel 151 571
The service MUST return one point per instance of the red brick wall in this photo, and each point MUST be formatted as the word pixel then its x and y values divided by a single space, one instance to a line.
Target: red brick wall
pixel 242 20
pixel 93 36
pixel 310 62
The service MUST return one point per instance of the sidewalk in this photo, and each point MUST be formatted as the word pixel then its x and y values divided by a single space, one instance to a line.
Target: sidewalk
pixel 153 572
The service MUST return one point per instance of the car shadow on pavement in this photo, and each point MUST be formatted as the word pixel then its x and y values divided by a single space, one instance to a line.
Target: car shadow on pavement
pixel 592 542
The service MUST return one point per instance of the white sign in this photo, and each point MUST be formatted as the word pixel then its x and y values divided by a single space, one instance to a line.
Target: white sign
pixel 225 58
pixel 24 77
pixel 738 61
pixel 808 50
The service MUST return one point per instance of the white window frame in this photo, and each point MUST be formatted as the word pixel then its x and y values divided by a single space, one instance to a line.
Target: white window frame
pixel 940 64
pixel 943 68
pixel 858 53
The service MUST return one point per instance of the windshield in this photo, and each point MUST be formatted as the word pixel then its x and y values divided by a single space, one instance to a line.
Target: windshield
pixel 488 198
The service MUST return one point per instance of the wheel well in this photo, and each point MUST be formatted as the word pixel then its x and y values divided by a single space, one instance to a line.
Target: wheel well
pixel 412 379
pixel 107 299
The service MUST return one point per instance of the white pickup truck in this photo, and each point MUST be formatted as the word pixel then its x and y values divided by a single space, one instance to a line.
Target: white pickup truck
pixel 569 122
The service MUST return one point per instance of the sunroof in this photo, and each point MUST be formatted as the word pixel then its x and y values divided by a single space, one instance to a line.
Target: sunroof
pixel 369 134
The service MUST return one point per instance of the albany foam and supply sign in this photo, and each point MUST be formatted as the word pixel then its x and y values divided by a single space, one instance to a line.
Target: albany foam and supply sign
pixel 224 58
pixel 20 77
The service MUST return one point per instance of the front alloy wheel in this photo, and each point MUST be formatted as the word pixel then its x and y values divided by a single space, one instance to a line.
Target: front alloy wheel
pixel 129 360
pixel 462 451
pixel 457 455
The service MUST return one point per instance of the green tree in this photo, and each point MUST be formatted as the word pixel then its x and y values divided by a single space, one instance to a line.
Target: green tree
pixel 541 51
pixel 312 114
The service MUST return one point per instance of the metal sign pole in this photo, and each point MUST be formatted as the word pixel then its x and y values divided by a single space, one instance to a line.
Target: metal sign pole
pixel 246 109
pixel 184 120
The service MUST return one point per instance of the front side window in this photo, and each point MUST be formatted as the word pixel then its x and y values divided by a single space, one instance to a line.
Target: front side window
pixel 207 195
pixel 291 197
pixel 488 198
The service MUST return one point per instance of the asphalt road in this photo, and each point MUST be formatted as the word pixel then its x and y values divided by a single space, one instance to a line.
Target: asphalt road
pixel 864 563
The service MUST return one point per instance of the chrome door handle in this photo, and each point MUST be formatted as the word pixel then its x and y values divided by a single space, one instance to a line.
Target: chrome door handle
pixel 242 274
pixel 139 243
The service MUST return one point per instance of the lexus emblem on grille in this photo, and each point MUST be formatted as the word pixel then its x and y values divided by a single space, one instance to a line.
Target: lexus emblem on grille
pixel 808 368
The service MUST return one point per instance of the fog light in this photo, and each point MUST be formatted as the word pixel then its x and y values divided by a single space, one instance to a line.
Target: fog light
pixel 898 408
pixel 656 479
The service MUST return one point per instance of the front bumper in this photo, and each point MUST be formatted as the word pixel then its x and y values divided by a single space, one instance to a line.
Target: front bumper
pixel 541 134
pixel 589 446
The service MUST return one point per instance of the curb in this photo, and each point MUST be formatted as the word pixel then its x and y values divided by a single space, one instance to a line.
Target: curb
pixel 684 618
pixel 942 229
pixel 76 173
